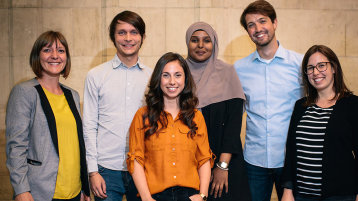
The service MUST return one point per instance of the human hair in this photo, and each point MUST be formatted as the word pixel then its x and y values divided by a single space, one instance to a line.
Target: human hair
pixel 155 101
pixel 44 40
pixel 339 87
pixel 129 17
pixel 258 7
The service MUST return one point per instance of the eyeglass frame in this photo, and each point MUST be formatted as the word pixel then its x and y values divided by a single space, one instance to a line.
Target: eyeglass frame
pixel 315 67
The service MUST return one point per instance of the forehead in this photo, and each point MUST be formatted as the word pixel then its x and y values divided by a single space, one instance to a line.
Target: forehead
pixel 54 43
pixel 200 33
pixel 252 17
pixel 124 26
pixel 173 66
pixel 317 57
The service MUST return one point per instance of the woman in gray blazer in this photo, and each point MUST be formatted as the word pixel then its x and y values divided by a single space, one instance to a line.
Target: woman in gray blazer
pixel 44 140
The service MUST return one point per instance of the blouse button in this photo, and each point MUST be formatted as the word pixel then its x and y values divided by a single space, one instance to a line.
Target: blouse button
pixel 175 177
pixel 173 135
pixel 173 149
pixel 173 163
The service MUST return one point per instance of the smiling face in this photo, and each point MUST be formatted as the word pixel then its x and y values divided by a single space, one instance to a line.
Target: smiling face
pixel 172 80
pixel 53 59
pixel 200 46
pixel 322 81
pixel 261 29
pixel 127 39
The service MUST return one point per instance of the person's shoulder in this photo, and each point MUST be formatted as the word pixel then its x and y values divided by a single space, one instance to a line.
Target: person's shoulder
pixel 293 55
pixel 145 69
pixel 244 61
pixel 103 67
pixel 26 85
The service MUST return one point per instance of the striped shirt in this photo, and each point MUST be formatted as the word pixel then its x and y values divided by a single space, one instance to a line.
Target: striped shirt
pixel 309 141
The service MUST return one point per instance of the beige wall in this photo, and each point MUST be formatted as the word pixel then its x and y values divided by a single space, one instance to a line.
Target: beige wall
pixel 301 23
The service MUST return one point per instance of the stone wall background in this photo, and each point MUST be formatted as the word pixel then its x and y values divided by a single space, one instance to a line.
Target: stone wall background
pixel 301 23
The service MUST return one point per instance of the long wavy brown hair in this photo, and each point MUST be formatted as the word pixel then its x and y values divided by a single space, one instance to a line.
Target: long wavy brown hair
pixel 155 114
pixel 340 88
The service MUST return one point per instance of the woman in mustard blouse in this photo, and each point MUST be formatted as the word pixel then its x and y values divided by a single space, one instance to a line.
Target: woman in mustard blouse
pixel 169 154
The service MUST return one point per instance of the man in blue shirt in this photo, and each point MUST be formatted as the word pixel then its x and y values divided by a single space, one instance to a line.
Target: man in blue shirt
pixel 270 77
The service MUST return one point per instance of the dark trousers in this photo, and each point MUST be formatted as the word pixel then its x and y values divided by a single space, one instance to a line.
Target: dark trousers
pixel 261 182
pixel 118 183
pixel 176 193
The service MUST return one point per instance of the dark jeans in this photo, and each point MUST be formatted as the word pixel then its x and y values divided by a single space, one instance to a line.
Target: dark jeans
pixel 261 182
pixel 176 193
pixel 77 198
pixel 332 198
pixel 118 183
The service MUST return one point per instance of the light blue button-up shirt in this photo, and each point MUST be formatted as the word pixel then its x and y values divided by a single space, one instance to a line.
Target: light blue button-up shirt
pixel 271 89
pixel 113 93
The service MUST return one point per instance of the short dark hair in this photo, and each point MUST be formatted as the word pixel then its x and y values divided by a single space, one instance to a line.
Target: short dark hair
pixel 44 40
pixel 129 17
pixel 260 6
pixel 155 100
pixel 340 88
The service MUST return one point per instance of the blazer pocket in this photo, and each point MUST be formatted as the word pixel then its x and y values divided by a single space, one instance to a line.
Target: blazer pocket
pixel 33 162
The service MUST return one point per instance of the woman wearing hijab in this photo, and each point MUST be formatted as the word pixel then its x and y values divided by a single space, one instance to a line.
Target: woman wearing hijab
pixel 221 100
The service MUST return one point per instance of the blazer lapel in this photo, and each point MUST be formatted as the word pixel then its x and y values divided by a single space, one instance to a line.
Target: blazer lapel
pixel 51 121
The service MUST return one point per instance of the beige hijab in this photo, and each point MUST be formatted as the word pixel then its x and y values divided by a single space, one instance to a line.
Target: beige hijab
pixel 215 80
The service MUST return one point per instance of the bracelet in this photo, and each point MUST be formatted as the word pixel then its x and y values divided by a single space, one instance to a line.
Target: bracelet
pixel 203 196
pixel 219 165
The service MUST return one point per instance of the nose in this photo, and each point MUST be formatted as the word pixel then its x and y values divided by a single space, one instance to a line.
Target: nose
pixel 315 71
pixel 258 27
pixel 201 43
pixel 171 81
pixel 128 37
pixel 54 54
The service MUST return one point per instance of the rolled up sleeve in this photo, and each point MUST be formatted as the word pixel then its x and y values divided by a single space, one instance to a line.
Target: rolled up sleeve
pixel 136 141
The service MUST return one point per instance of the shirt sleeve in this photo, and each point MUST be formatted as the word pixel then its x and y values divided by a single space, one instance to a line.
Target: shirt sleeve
pixel 136 142
pixel 18 121
pixel 90 122
pixel 232 128
pixel 203 153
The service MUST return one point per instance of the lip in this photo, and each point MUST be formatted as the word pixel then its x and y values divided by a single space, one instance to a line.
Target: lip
pixel 200 53
pixel 172 89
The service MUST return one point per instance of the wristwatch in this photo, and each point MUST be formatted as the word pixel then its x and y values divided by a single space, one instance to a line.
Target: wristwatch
pixel 222 165
pixel 203 196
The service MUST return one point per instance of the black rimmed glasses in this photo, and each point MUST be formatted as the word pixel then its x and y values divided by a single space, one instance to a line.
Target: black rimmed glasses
pixel 321 67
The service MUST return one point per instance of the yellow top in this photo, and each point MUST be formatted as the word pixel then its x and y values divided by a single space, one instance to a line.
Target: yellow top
pixel 68 183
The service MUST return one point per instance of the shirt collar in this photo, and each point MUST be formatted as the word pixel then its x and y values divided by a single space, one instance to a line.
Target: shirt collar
pixel 116 62
pixel 280 53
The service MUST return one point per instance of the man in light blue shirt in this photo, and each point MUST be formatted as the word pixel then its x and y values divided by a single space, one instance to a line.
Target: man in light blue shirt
pixel 114 91
pixel 270 77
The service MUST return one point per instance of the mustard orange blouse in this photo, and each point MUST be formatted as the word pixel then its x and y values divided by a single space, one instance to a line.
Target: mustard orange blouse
pixel 170 158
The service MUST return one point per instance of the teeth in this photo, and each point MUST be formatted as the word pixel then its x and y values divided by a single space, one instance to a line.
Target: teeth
pixel 318 79
pixel 171 88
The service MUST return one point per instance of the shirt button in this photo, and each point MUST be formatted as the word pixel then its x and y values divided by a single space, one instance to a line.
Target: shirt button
pixel 173 149
pixel 175 177
pixel 128 98
pixel 173 135
pixel 173 163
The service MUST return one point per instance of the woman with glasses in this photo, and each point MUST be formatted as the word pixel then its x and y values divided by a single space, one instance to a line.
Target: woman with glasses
pixel 322 146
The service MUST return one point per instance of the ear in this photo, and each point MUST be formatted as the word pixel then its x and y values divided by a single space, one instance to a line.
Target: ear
pixel 275 24
pixel 143 37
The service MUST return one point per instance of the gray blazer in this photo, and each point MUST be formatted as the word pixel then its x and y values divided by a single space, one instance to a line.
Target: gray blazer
pixel 31 140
